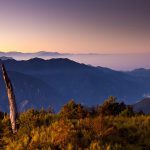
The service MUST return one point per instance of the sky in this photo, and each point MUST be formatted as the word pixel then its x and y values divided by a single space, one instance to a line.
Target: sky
pixel 75 26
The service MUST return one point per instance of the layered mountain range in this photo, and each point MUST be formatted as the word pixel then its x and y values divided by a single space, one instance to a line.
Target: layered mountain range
pixel 119 62
pixel 42 83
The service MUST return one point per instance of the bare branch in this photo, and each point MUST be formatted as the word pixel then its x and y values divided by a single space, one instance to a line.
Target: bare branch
pixel 11 99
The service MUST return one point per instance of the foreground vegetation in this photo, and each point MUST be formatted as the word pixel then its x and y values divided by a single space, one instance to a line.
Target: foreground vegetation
pixel 111 126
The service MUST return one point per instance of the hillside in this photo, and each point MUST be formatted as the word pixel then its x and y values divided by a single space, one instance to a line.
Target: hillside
pixel 143 105
pixel 5 58
pixel 55 81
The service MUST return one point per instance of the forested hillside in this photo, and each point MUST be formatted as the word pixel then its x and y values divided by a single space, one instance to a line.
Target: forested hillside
pixel 53 82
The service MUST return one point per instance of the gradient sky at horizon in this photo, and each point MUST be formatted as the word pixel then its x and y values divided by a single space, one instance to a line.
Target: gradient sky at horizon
pixel 75 26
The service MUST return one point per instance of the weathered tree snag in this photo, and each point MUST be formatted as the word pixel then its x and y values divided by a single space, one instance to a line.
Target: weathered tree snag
pixel 11 99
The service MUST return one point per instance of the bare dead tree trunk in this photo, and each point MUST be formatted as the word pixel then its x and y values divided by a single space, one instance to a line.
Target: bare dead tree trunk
pixel 11 99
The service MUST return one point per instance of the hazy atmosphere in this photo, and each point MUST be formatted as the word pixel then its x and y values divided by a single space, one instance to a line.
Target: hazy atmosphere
pixel 91 26
pixel 74 74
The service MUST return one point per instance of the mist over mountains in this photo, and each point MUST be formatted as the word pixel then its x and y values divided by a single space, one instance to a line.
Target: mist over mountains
pixel 43 83
pixel 114 61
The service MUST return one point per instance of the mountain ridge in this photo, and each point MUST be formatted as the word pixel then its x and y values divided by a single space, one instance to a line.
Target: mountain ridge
pixel 143 105
pixel 64 79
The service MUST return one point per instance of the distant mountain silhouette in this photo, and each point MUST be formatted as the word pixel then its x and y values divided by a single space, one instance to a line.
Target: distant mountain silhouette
pixel 141 72
pixel 29 55
pixel 115 61
pixel 5 58
pixel 143 105
pixel 40 82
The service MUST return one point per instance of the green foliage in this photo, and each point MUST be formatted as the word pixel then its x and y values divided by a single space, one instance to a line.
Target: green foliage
pixel 112 107
pixel 112 126
pixel 128 112
pixel 73 111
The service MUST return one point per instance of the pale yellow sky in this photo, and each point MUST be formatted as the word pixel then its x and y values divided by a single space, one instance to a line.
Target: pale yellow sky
pixel 74 27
